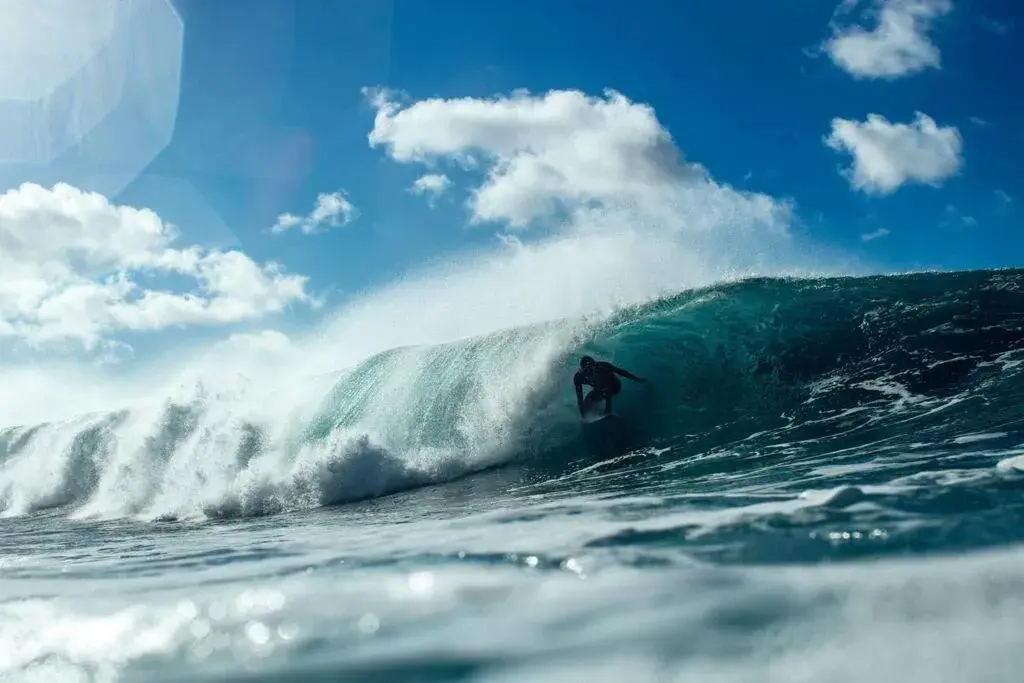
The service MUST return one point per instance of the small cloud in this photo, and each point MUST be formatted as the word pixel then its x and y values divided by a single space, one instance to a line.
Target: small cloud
pixel 331 210
pixel 286 221
pixel 979 122
pixel 510 241
pixel 1000 28
pixel 113 352
pixel 432 184
pixel 1003 197
pixel 869 236
pixel 887 155
pixel 955 217
pixel 897 46
pixel 263 341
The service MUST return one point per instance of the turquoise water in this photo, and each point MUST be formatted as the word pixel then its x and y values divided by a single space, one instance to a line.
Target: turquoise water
pixel 822 481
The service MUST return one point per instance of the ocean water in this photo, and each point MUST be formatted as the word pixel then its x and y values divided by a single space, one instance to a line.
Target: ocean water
pixel 822 481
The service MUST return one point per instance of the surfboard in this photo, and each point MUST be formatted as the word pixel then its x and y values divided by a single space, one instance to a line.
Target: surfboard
pixel 596 417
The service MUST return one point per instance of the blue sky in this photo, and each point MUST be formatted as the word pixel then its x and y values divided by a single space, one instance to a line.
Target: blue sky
pixel 730 81
pixel 272 112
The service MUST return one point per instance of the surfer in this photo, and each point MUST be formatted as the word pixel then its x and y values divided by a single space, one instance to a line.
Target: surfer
pixel 601 376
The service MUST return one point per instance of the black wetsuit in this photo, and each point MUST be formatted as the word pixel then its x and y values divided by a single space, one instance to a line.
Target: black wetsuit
pixel 601 376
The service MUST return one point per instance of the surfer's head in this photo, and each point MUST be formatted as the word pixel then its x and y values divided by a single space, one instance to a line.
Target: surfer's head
pixel 586 362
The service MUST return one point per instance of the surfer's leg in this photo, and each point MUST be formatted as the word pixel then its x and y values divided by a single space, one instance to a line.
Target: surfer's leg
pixel 608 404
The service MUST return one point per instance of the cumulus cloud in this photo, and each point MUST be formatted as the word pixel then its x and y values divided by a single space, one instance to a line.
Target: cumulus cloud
pixel 887 155
pixel 331 210
pixel 77 268
pixel 897 46
pixel 874 235
pixel 432 184
pixel 569 157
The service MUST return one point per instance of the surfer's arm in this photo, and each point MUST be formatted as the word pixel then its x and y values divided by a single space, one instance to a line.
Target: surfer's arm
pixel 627 374
pixel 578 383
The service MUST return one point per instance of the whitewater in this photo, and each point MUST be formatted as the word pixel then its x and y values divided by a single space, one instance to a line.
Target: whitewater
pixel 822 480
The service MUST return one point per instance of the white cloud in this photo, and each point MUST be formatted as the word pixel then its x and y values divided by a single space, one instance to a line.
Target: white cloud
pixel 566 155
pixel 432 184
pixel 331 209
pixel 874 235
pixel 1003 197
pixel 1000 28
pixel 887 155
pixel 73 268
pixel 897 46
pixel 955 217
